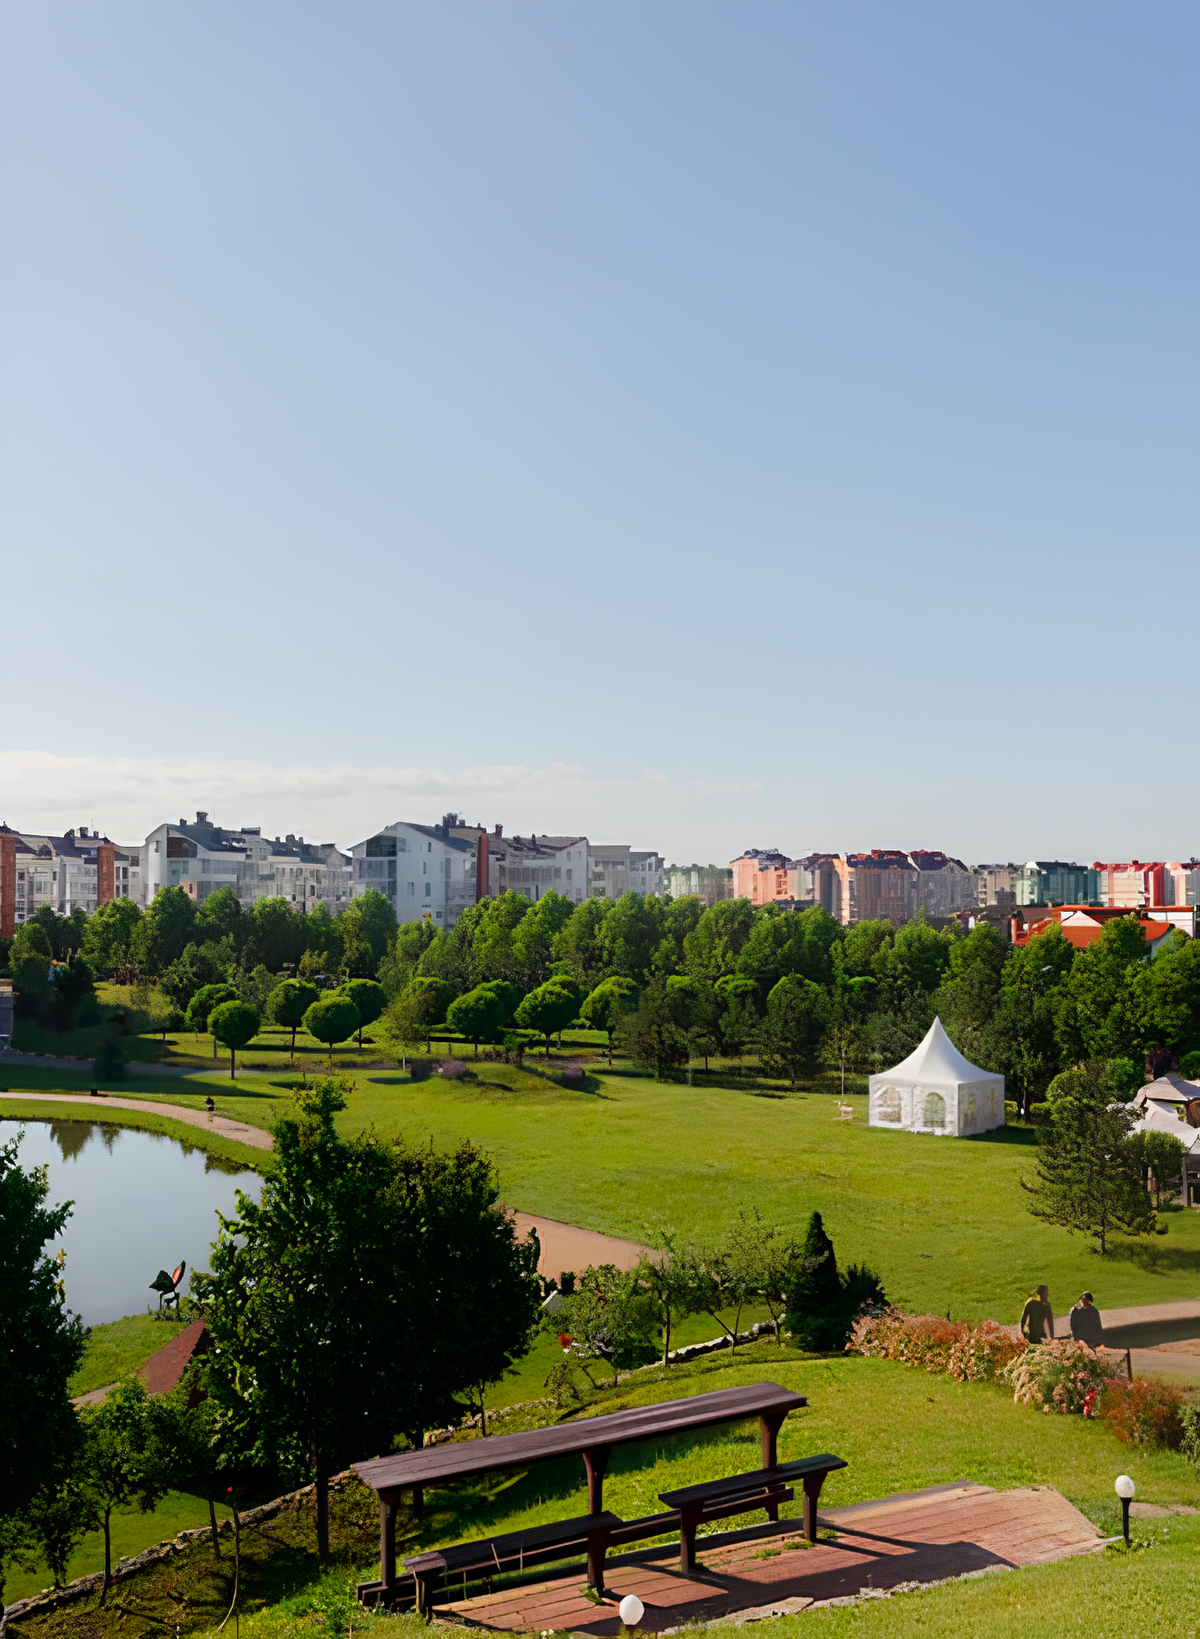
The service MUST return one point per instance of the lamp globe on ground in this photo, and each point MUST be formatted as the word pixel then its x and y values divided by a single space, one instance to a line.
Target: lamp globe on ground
pixel 631 1610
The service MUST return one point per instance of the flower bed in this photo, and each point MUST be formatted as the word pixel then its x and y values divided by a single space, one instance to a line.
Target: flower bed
pixel 972 1354
pixel 1060 1376
pixel 1144 1412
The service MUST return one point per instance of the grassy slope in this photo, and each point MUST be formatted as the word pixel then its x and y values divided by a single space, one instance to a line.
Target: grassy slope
pixel 898 1429
pixel 119 1347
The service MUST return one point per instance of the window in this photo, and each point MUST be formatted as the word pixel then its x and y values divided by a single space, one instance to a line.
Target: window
pixel 429 890
pixel 381 848
pixel 412 888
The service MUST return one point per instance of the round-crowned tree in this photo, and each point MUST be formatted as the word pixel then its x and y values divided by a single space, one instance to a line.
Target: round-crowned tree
pixel 234 1025
pixel 332 1020
pixel 290 1001
pixel 369 999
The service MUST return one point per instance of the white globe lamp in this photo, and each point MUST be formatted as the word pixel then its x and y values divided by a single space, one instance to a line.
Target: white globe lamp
pixel 1125 1489
pixel 631 1610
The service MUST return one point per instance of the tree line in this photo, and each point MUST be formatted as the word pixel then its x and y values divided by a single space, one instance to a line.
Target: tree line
pixel 668 980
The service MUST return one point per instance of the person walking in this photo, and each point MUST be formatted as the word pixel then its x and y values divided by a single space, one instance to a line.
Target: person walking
pixel 1086 1325
pixel 1037 1318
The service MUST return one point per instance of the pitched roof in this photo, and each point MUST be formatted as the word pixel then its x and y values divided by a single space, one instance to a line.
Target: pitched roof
pixel 937 1059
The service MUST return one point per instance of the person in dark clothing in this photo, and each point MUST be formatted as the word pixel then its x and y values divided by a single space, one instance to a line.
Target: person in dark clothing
pixel 1037 1318
pixel 1086 1325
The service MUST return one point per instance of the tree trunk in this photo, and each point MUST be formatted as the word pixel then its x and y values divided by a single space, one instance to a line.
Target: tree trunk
pixel 737 1326
pixel 212 1523
pixel 667 1334
pixel 232 1062
pixel 107 1555
pixel 293 1044
pixel 322 1468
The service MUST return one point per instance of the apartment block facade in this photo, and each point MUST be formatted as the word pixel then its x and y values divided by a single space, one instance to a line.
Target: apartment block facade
pixel 707 882
pixel 423 870
pixel 76 871
pixel 200 857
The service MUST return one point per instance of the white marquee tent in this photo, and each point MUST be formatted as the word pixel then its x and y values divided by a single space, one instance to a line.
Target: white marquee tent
pixel 936 1090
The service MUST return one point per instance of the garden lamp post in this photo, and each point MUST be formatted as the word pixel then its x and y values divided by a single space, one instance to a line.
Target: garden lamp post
pixel 1125 1489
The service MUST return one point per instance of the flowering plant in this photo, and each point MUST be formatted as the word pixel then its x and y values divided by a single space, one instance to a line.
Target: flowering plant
pixel 972 1354
pixel 1144 1412
pixel 1057 1376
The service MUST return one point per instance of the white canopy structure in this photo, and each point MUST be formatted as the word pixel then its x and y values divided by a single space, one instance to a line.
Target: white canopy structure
pixel 936 1090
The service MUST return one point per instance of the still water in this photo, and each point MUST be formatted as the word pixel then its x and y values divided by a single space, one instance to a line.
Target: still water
pixel 143 1202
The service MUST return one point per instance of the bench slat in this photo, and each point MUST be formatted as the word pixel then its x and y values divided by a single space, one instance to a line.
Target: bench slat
pixel 761 1479
pixel 485 1551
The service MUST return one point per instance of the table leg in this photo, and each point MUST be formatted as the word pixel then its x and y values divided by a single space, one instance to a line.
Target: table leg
pixel 812 1494
pixel 770 1422
pixel 597 1543
pixel 689 1519
pixel 387 1548
pixel 595 1460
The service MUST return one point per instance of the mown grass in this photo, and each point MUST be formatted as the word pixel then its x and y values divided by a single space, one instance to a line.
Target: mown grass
pixel 944 1220
pixel 119 1347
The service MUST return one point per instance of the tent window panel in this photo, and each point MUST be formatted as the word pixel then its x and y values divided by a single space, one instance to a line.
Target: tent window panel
pixel 887 1107
pixel 935 1110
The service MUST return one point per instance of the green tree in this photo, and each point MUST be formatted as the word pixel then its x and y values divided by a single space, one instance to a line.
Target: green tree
pixel 371 916
pixel 581 942
pixel 41 1343
pixel 613 1317
pixel 607 1004
pixel 290 1002
pixel 550 1007
pixel 1023 1042
pixel 680 918
pixel 789 1039
pixel 331 1020
pixel 166 929
pixel 112 939
pixel 711 951
pixel 1165 1001
pixel 368 999
pixel 1088 1178
pixel 1098 1018
pixel 477 1016
pixel 651 1035
pixel 121 1460
pixel 221 917
pixel 203 1004
pixel 274 935
pixel 535 936
pixel 343 1304
pixel 823 1302
pixel 674 1276
pixel 738 1019
pixel 630 935
pixel 400 961
pixel 234 1025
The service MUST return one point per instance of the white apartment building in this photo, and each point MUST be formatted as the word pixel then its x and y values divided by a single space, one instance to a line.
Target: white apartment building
pixel 424 870
pixel 200 857
pixel 615 869
pixel 62 872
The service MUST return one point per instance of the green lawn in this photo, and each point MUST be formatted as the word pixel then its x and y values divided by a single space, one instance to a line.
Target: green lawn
pixel 119 1347
pixel 943 1219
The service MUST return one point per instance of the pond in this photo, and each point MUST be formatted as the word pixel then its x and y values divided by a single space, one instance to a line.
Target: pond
pixel 143 1202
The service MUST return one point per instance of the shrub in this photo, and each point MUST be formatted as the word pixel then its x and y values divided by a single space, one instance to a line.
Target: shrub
pixel 110 1062
pixel 1057 1376
pixel 972 1354
pixel 1146 1412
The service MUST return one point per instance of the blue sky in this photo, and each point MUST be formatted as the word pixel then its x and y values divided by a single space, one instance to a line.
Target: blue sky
pixel 698 425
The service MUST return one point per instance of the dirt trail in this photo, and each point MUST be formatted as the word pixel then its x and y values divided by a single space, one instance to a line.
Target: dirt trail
pixel 566 1247
pixel 223 1124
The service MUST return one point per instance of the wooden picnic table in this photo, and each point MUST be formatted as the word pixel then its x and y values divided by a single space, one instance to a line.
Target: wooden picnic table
pixel 592 1438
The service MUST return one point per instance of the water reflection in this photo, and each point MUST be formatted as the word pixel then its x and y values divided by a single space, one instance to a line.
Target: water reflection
pixel 142 1202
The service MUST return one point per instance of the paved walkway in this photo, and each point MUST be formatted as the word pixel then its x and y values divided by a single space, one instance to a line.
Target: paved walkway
pixel 223 1124
pixel 902 1541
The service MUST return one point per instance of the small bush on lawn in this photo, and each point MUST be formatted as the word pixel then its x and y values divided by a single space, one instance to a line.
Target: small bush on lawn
pixel 972 1354
pixel 1058 1376
pixel 1146 1412
pixel 454 1070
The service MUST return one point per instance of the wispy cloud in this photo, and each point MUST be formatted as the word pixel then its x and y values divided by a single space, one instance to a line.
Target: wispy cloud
pixel 127 796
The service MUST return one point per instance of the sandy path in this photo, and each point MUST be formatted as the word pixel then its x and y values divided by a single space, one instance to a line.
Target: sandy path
pixel 566 1247
pixel 223 1124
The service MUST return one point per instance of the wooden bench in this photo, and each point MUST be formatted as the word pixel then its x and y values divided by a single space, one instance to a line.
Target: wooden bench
pixel 513 1552
pixel 765 1488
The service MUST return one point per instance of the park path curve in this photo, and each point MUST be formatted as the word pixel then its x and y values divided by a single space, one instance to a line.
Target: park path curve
pixel 225 1125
